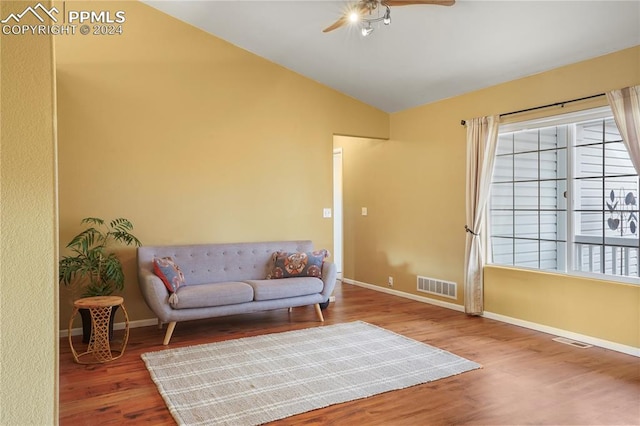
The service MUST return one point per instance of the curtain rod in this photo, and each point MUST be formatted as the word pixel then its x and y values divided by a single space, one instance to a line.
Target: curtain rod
pixel 463 122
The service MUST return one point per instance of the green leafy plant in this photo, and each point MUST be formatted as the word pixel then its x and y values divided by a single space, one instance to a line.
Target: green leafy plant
pixel 90 267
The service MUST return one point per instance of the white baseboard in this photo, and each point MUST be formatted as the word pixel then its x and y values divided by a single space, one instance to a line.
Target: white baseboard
pixel 618 347
pixel 606 344
pixel 116 326
pixel 415 297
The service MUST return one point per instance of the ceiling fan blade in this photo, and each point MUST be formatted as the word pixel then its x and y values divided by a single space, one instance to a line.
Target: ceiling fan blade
pixel 410 2
pixel 340 22
pixel 361 9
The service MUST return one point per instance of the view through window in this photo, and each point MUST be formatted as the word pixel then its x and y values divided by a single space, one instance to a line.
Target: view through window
pixel 564 197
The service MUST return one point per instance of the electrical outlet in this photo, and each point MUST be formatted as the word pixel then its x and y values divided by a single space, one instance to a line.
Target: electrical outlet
pixel 390 281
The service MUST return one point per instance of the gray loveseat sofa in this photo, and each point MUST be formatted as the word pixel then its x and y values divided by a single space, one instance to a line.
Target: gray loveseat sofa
pixel 227 279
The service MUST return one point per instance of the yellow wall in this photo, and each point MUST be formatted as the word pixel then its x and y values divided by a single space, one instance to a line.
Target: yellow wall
pixel 28 241
pixel 597 308
pixel 193 139
pixel 414 187
pixel 377 174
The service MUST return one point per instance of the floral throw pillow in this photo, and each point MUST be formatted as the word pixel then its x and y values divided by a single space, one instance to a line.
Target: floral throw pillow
pixel 170 274
pixel 287 265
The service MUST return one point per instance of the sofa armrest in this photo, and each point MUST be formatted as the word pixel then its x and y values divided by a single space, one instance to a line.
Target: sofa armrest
pixel 155 294
pixel 329 274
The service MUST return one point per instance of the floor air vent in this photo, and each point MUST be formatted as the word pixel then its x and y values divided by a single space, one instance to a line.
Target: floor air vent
pixel 572 342
pixel 438 287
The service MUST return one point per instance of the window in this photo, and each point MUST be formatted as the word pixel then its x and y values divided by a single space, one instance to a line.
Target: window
pixel 564 197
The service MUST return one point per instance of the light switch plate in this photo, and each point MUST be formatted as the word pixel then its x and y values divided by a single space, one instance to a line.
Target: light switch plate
pixel 364 211
pixel 326 212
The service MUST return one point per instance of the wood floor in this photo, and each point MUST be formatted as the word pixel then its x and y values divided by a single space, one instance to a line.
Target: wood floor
pixel 526 377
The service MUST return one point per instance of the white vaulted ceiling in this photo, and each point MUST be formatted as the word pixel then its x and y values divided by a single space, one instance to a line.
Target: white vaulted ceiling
pixel 428 52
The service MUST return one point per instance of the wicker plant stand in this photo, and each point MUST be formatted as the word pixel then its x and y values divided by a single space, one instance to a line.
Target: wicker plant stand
pixel 99 349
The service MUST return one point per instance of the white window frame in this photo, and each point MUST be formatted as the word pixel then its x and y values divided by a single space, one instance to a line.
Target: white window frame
pixel 558 120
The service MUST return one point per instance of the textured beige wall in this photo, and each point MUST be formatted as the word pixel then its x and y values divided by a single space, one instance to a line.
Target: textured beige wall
pixel 414 188
pixel 194 140
pixel 28 240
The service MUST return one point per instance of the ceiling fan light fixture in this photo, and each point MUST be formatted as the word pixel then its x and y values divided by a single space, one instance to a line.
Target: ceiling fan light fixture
pixel 369 12
pixel 387 17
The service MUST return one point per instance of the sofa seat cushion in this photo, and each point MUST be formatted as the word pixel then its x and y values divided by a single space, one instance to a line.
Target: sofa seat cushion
pixel 216 294
pixel 286 287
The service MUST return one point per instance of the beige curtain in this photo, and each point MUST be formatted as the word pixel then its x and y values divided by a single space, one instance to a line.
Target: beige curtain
pixel 625 104
pixel 482 138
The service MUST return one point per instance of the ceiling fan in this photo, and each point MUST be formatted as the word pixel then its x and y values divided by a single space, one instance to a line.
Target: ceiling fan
pixel 370 11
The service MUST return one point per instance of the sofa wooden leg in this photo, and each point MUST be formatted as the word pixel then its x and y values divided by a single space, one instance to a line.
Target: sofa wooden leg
pixel 169 332
pixel 160 324
pixel 290 309
pixel 319 312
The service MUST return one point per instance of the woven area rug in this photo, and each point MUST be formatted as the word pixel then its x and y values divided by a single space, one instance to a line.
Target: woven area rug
pixel 259 379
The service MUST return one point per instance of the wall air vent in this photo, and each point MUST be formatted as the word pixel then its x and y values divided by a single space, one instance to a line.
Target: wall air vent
pixel 438 287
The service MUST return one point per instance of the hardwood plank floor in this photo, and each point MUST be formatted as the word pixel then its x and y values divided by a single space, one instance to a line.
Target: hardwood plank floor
pixel 526 377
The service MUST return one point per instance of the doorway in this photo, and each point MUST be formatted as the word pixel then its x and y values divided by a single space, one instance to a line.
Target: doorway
pixel 338 234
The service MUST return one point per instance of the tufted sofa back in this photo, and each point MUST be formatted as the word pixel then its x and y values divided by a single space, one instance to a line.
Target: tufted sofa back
pixel 210 263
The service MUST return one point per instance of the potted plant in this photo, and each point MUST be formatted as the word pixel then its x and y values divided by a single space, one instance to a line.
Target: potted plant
pixel 91 268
